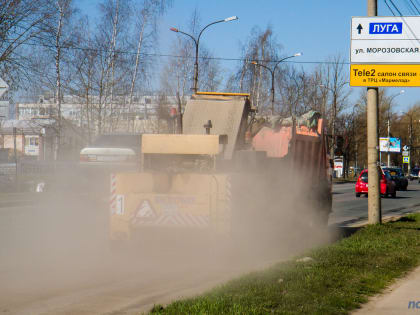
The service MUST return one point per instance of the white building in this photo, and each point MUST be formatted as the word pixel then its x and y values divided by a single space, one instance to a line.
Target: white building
pixel 118 116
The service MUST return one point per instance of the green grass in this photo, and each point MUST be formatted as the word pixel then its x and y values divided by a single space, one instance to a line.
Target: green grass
pixel 339 279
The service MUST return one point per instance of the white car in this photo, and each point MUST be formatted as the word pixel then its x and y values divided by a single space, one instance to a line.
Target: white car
pixel 91 154
pixel 112 149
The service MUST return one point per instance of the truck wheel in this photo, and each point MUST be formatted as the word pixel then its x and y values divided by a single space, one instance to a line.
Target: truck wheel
pixel 357 195
pixel 394 194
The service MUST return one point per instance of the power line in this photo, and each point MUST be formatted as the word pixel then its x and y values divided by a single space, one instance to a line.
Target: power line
pixel 390 9
pixel 409 5
pixel 172 56
pixel 410 9
pixel 417 10
pixel 396 8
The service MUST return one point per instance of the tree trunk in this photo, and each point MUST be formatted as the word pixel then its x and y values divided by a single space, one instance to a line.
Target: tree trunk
pixel 139 46
pixel 58 77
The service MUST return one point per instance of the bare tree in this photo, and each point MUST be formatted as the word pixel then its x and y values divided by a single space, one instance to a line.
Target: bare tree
pixel 146 30
pixel 263 48
pixel 20 23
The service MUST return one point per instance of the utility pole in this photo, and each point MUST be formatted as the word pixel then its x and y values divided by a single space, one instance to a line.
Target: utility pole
pixel 374 197
pixel 334 114
pixel 15 156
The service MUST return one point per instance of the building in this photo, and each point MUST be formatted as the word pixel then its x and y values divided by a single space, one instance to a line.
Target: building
pixel 38 139
pixel 145 114
pixel 4 100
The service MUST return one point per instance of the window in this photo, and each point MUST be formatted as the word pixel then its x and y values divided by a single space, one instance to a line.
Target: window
pixel 33 141
pixel 364 177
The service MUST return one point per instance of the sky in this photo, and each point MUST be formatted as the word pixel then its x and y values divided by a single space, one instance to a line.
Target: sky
pixel 320 29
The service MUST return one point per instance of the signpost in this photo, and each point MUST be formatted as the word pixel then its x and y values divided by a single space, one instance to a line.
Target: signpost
pixel 385 51
pixel 385 40
pixel 385 75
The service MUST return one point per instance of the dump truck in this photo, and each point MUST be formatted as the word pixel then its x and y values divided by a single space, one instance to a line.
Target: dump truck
pixel 229 172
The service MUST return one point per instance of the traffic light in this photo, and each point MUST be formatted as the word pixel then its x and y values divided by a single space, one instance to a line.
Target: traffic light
pixel 339 142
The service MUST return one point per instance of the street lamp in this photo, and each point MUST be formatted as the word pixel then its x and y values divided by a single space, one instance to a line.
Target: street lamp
pixel 197 42
pixel 410 137
pixel 389 126
pixel 272 71
pixel 334 114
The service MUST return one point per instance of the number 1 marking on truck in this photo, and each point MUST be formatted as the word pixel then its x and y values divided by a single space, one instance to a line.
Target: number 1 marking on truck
pixel 120 205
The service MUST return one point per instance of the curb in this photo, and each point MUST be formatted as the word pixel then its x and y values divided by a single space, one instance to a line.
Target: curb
pixel 363 221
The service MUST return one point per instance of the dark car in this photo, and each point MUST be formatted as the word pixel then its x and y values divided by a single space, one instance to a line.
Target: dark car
pixel 414 174
pixel 398 177
pixel 387 185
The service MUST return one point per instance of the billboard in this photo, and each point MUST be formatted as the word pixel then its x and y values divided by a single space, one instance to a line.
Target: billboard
pixel 393 145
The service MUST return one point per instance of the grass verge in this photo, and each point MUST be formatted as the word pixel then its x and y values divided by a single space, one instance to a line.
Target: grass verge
pixel 340 277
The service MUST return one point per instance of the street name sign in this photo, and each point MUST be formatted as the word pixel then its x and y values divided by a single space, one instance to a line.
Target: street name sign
pixel 385 40
pixel 405 153
pixel 385 75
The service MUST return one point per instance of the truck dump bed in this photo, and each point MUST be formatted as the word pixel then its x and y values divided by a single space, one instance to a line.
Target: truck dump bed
pixel 227 113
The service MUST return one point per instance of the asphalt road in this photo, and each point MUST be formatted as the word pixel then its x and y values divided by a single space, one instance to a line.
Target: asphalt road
pixel 55 258
pixel 347 209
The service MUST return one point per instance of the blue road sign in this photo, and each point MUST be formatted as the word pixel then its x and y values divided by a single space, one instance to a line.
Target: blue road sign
pixel 385 28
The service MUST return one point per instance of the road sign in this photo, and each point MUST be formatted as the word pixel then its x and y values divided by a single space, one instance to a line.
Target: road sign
pixel 406 147
pixel 405 153
pixel 406 159
pixel 385 40
pixel 385 75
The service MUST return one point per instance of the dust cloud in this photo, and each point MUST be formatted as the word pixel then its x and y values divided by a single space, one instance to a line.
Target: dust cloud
pixel 55 255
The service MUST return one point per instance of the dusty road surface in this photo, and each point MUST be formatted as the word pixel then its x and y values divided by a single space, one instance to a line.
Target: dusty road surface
pixel 55 259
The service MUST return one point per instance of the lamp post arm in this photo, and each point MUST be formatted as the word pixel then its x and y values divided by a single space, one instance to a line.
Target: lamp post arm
pixel 280 61
pixel 201 32
pixel 190 36
pixel 261 65
pixel 272 84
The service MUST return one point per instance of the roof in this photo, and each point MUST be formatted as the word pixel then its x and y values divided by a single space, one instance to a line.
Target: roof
pixel 26 126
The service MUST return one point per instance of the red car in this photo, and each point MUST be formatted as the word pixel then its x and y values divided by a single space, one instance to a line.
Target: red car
pixel 387 184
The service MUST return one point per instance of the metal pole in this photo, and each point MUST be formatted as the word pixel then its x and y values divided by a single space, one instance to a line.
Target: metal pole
pixel 411 145
pixel 389 156
pixel 15 155
pixel 334 114
pixel 272 92
pixel 374 197
pixel 195 88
